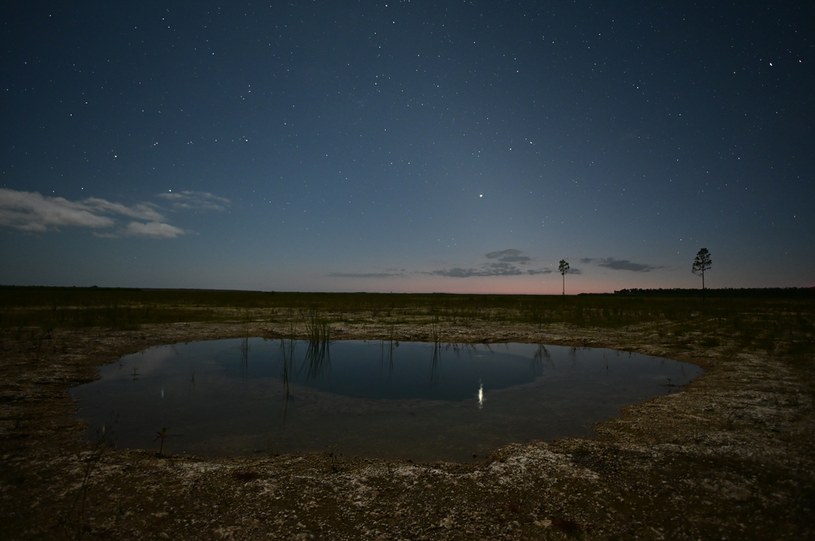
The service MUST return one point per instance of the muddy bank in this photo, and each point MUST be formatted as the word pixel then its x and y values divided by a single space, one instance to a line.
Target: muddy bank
pixel 732 455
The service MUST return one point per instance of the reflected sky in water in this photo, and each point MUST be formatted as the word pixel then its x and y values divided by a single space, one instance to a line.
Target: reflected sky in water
pixel 410 400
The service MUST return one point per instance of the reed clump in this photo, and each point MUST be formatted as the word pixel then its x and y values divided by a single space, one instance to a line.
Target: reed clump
pixel 318 336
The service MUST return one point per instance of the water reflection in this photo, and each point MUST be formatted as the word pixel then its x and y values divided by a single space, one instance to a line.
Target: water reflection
pixel 541 355
pixel 287 357
pixel 244 357
pixel 411 400
pixel 318 357
pixel 387 352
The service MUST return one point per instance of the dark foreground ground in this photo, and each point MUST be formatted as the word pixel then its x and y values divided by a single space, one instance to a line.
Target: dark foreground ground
pixel 730 456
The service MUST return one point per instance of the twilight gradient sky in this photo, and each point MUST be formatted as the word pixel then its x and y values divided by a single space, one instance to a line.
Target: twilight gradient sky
pixel 461 146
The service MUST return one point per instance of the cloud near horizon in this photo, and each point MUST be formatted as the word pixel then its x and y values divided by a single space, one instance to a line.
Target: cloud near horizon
pixel 619 264
pixel 505 266
pixel 509 262
pixel 510 255
pixel 33 212
pixel 366 274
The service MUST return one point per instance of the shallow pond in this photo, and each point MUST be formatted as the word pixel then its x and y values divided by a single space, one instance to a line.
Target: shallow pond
pixel 408 400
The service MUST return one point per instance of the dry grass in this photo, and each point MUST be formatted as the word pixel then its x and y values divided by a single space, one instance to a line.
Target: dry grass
pixel 732 455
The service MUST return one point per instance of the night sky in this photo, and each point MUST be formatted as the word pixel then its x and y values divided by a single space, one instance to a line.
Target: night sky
pixel 405 146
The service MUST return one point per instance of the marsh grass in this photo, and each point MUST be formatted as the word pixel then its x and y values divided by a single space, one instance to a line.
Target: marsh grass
pixel 772 320
pixel 76 521
pixel 161 436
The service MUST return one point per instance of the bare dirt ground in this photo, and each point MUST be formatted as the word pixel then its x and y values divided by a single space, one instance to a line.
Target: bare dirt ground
pixel 731 456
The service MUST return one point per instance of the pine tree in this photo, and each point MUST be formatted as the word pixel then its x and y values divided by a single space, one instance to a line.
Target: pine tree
pixel 701 264
pixel 563 267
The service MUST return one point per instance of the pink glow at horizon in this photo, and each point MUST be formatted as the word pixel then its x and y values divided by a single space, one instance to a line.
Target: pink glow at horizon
pixel 549 285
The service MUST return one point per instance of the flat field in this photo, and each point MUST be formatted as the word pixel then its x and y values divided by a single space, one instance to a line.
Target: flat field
pixel 732 455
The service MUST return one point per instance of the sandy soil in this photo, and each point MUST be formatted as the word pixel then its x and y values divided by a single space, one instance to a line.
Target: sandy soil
pixel 730 456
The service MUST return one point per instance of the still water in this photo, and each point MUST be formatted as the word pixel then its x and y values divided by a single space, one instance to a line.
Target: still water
pixel 408 400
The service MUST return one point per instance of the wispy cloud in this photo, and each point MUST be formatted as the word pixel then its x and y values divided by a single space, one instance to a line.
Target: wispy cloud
pixel 190 200
pixel 619 264
pixel 140 211
pixel 153 229
pixel 31 211
pixel 36 213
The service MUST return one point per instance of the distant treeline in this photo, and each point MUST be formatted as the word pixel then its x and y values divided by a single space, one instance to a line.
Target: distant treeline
pixel 765 292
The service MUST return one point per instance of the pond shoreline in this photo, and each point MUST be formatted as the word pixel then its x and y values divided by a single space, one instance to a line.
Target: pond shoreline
pixel 732 454
pixel 390 400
